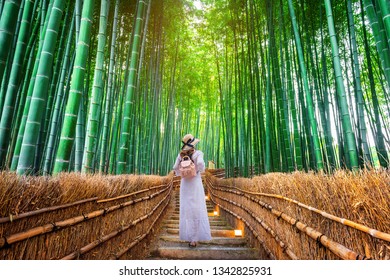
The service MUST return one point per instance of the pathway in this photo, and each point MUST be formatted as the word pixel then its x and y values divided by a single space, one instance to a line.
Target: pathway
pixel 223 246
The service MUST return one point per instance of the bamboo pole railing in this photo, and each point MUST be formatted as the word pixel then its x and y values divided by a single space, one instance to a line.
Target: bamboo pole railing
pixel 336 248
pixel 12 218
pixel 113 234
pixel 141 237
pixel 130 194
pixel 218 173
pixel 50 227
pixel 255 234
pixel 373 232
pixel 248 224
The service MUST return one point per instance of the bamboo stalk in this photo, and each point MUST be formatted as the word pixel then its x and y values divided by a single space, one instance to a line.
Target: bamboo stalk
pixel 12 218
pixel 130 194
pixel 29 233
pixel 373 232
pixel 333 246
pixel 137 240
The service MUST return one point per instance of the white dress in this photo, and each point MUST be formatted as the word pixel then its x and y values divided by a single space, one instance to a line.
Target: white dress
pixel 194 222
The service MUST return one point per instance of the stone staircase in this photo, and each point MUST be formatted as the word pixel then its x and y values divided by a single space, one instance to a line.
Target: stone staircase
pixel 223 246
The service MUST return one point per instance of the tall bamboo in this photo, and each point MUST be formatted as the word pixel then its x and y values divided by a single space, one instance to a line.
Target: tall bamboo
pixel 72 107
pixel 384 6
pixel 8 21
pixel 30 84
pixel 39 95
pixel 14 81
pixel 380 37
pixel 60 96
pixel 93 121
pixel 362 132
pixel 309 100
pixel 268 103
pixel 126 122
pixel 109 96
pixel 346 121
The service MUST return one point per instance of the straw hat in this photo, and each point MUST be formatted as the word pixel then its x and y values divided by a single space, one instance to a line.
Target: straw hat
pixel 189 142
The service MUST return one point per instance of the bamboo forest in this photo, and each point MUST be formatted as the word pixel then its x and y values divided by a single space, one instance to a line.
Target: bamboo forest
pixel 287 102
pixel 268 86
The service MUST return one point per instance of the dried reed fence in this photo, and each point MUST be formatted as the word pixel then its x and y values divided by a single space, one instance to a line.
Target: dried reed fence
pixel 311 216
pixel 74 216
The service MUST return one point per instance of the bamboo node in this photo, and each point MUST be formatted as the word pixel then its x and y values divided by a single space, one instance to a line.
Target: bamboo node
pixel 55 227
pixel 319 240
pixel 3 242
pixel 85 216
pixel 362 257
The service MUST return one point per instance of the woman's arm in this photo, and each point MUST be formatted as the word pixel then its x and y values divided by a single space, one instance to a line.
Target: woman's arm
pixel 200 165
pixel 176 166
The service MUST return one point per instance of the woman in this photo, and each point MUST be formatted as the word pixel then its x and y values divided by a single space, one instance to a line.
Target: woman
pixel 194 222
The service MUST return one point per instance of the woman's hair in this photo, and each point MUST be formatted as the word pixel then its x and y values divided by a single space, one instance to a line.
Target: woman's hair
pixel 187 152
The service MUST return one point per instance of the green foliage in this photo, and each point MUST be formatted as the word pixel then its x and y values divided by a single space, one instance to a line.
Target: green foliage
pixel 227 71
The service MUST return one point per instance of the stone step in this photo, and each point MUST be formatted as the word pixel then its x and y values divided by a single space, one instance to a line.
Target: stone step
pixel 212 222
pixel 223 246
pixel 214 232
pixel 233 241
pixel 177 210
pixel 209 214
pixel 211 218
pixel 206 252
pixel 207 204
pixel 176 226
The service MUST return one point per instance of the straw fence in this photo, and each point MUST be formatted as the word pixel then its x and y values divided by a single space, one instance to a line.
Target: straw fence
pixel 74 216
pixel 310 216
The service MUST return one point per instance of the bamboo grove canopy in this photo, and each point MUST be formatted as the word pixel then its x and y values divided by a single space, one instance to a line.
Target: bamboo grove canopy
pixel 112 86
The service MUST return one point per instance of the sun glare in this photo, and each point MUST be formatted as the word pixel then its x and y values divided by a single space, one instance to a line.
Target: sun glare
pixel 198 4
